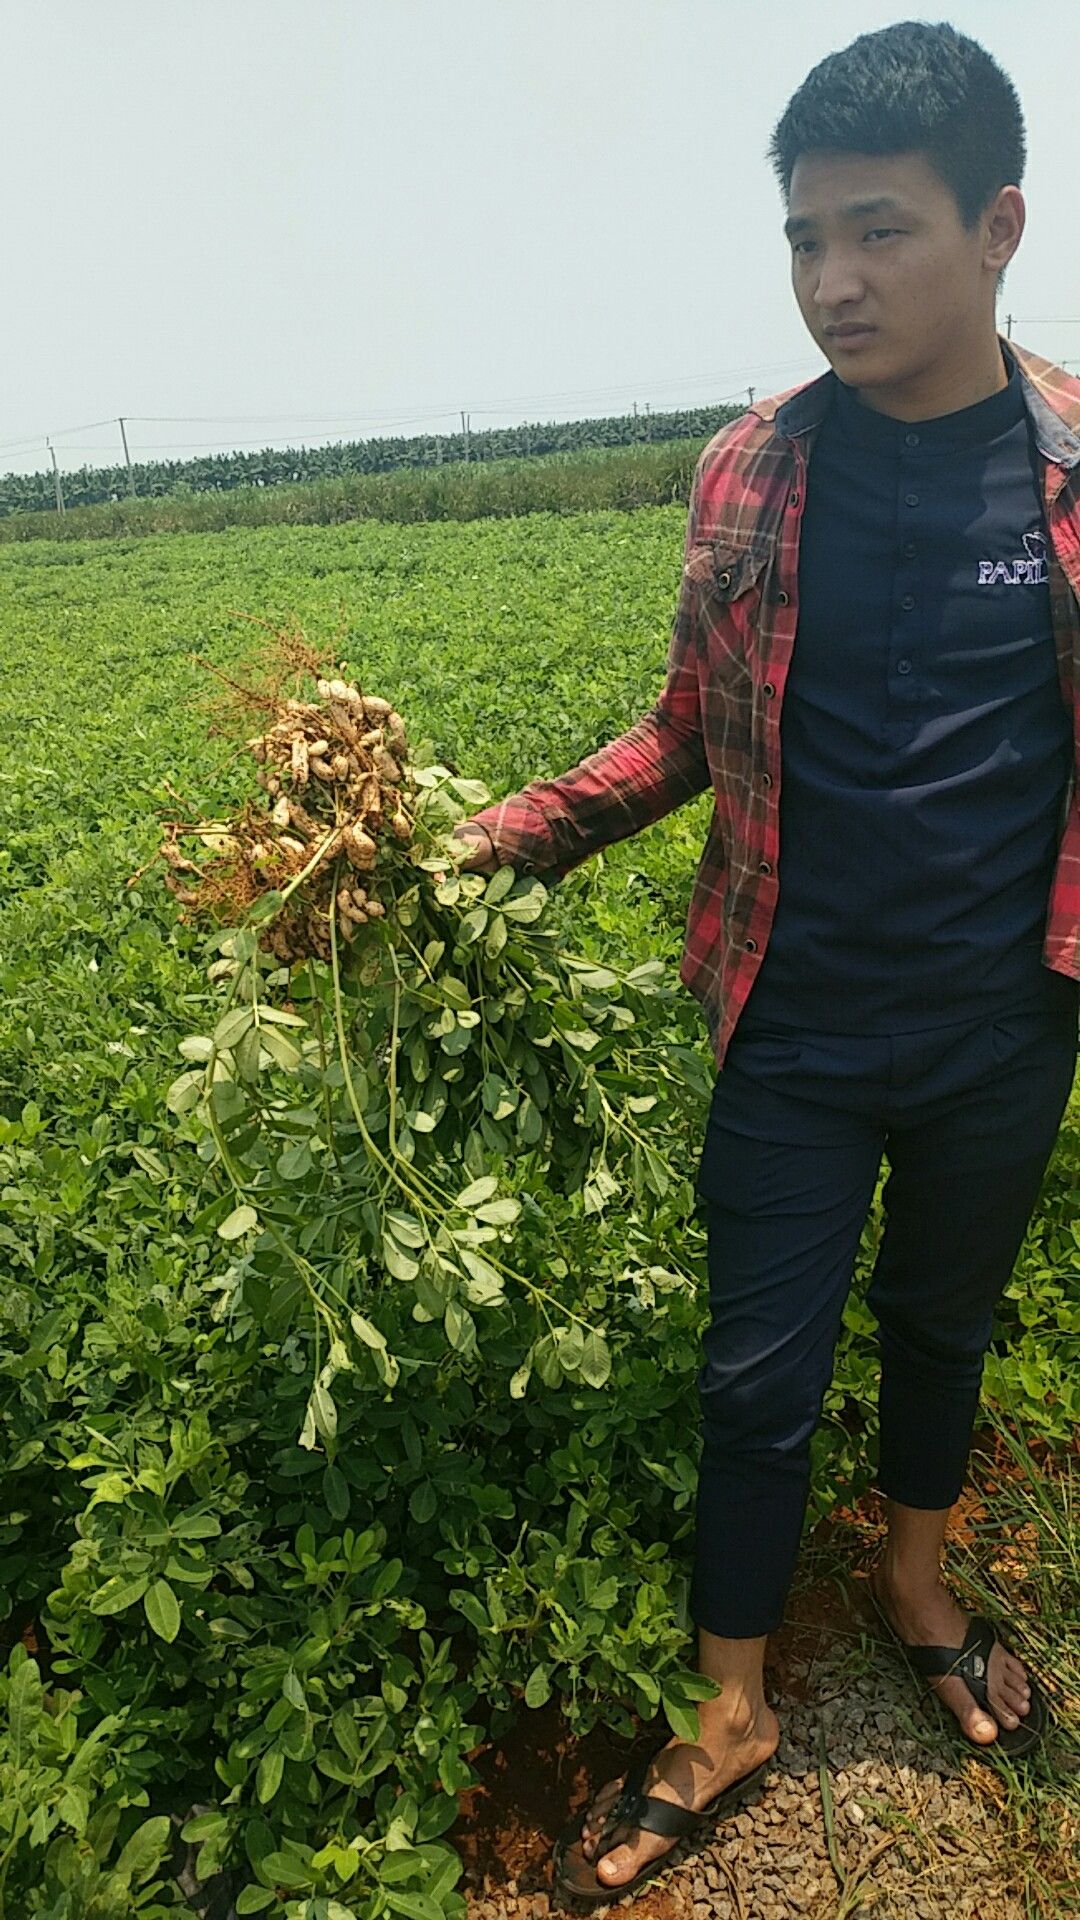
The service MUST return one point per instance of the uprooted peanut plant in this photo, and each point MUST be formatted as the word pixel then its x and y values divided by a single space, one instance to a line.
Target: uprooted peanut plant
pixel 408 1081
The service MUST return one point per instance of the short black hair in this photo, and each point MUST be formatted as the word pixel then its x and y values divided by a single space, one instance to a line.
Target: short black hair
pixel 911 87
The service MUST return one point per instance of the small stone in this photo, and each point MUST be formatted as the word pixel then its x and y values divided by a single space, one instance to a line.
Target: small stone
pixel 743 1824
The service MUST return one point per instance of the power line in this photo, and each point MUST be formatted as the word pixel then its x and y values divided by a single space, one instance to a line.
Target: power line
pixel 565 393
pixel 388 417
pixel 388 420
pixel 36 439
pixel 310 440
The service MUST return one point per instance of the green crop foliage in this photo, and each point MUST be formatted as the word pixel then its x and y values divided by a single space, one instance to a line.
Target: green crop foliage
pixel 29 500
pixel 301 1504
pixel 624 478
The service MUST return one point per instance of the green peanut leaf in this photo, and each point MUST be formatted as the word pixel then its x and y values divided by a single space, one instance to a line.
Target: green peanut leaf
pixel 254 1899
pixel 681 1717
pixel 270 1775
pixel 232 1026
pixel 478 1191
pixel 281 1051
pixel 460 1327
pixel 595 1363
pixel 537 1687
pixel 119 1593
pixel 499 1213
pixel 162 1610
pixel 423 1502
pixel 499 885
pixel 241 1220
pixel 365 1331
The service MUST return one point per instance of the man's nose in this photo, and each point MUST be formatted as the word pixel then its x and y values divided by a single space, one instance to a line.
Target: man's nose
pixel 839 285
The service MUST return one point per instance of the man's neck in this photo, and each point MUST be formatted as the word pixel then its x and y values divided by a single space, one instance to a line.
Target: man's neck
pixel 963 383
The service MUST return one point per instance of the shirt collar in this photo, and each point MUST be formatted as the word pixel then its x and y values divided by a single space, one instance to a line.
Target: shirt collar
pixel 1057 435
pixel 956 432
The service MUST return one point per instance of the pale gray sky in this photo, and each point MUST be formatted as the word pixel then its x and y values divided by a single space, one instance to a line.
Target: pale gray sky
pixel 310 220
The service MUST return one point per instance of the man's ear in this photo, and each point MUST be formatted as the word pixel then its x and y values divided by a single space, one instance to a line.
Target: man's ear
pixel 1004 227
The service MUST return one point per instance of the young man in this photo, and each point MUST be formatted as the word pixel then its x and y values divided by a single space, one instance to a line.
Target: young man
pixel 885 927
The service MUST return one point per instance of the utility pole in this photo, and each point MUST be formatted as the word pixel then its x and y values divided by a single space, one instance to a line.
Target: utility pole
pixel 127 457
pixel 750 391
pixel 1008 326
pixel 465 431
pixel 56 479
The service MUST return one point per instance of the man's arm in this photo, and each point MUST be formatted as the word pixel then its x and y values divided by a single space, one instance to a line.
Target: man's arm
pixel 551 826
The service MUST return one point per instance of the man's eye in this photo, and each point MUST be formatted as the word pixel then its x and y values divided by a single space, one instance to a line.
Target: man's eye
pixel 802 243
pixel 874 230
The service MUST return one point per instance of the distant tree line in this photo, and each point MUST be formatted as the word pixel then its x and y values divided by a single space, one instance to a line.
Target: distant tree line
pixel 273 466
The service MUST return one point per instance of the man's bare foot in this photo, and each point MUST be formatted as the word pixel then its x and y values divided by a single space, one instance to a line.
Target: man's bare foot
pixel 931 1618
pixel 687 1773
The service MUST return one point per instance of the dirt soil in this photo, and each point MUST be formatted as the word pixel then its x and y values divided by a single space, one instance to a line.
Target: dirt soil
pixel 916 1831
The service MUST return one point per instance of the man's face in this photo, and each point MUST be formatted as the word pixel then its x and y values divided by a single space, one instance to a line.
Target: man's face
pixel 876 242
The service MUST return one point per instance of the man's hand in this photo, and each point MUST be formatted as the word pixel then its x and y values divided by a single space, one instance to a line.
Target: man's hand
pixel 482 857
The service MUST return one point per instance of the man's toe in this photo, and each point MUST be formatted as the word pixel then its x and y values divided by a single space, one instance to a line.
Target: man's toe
pixel 1003 1708
pixel 979 1725
pixel 615 1866
pixel 975 1720
pixel 1008 1688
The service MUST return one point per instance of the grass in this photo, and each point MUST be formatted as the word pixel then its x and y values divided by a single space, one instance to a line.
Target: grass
pixel 620 478
pixel 1014 1556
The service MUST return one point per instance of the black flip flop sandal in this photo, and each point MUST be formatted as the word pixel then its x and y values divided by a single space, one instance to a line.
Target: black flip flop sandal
pixel 969 1664
pixel 575 1877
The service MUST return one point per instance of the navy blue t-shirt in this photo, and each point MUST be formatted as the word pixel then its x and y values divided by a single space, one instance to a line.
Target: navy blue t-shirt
pixel 925 740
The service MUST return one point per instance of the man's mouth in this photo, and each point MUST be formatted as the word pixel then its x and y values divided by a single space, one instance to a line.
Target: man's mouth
pixel 848 340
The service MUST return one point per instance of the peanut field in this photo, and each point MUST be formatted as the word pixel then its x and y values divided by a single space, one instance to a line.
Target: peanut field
pixel 264 1586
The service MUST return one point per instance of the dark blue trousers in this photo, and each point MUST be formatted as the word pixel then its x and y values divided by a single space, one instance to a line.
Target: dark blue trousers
pixel 968 1116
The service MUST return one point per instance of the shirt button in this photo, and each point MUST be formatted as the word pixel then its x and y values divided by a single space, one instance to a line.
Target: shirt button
pixel 751 946
pixel 793 499
pixel 766 779
pixel 903 666
pixel 908 602
pixel 764 867
pixel 768 689
pixel 911 439
pixel 782 597
pixel 910 550
pixel 911 499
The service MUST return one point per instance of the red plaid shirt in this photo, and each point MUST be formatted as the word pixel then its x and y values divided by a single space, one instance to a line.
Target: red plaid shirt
pixel 716 722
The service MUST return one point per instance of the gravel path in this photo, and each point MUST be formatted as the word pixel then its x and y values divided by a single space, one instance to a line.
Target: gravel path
pixel 914 1839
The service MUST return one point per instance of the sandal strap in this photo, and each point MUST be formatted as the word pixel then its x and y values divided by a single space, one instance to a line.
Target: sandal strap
pixel 969 1663
pixel 635 1809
